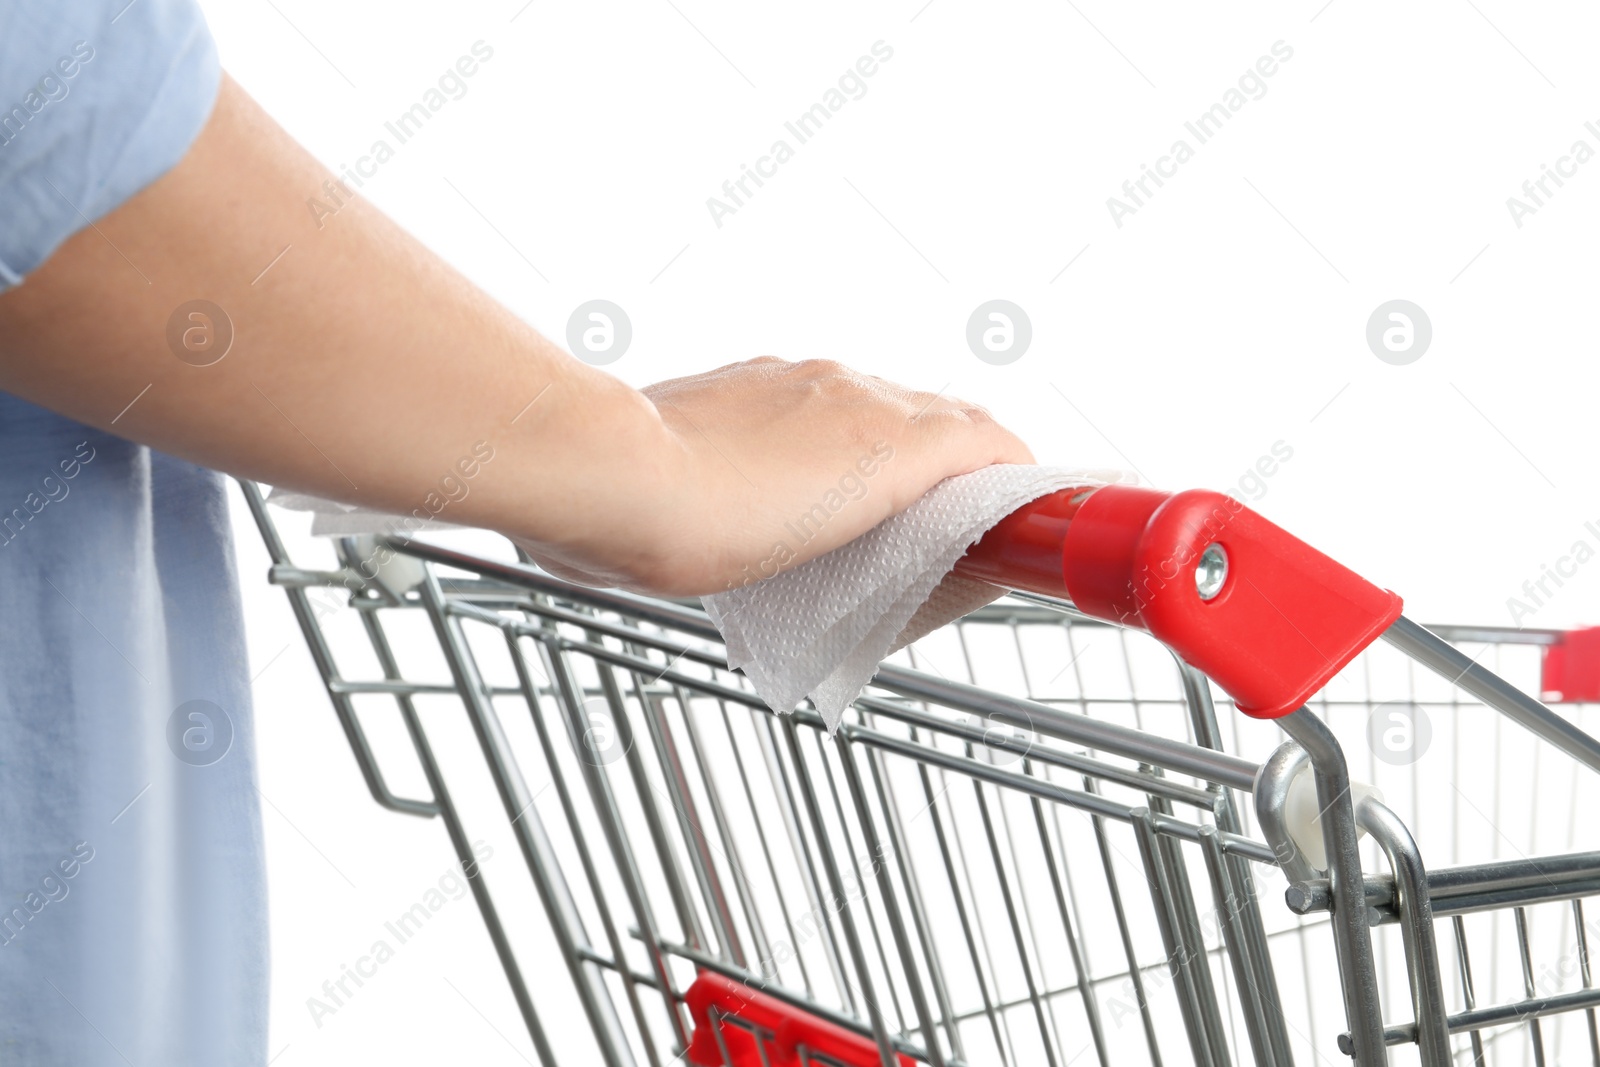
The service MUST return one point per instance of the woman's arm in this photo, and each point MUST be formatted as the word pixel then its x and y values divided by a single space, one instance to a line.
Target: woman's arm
pixel 365 369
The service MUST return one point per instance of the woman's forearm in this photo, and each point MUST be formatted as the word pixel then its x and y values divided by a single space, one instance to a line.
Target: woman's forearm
pixel 363 368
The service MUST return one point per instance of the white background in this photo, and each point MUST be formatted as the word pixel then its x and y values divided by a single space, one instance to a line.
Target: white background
pixel 1227 314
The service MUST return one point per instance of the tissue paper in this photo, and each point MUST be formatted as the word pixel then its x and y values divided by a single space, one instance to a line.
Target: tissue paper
pixel 820 629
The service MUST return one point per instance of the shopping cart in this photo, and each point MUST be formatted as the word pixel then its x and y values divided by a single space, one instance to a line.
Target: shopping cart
pixel 1034 840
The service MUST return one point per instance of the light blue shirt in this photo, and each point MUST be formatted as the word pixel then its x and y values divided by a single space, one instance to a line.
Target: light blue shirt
pixel 132 893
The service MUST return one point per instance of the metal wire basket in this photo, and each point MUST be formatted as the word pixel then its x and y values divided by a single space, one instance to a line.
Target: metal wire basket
pixel 1035 840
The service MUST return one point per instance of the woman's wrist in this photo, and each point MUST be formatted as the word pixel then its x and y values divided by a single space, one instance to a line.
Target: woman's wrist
pixel 610 528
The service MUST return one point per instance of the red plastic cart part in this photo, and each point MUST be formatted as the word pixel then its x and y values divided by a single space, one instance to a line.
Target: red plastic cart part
pixel 1571 669
pixel 750 1022
pixel 1281 618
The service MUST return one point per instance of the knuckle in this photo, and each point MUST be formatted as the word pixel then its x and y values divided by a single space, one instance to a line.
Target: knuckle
pixel 955 421
pixel 741 366
pixel 821 368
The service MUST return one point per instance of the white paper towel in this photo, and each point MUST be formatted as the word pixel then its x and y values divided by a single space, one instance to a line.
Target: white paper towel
pixel 820 629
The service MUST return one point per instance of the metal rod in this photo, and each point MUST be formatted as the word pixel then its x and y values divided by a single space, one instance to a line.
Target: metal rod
pixel 604 806
pixel 1450 663
pixel 1088 801
pixel 1178 756
pixel 1583 971
pixel 1188 916
pixel 459 842
pixel 1014 924
pixel 768 962
pixel 914 902
pixel 1468 996
pixel 328 670
pixel 1125 933
pixel 854 856
pixel 719 818
pixel 1351 937
pixel 1091 1008
pixel 1180 955
pixel 976 955
pixel 1258 1008
pixel 1534 1030
pixel 1512 1014
pixel 1001 741
pixel 655 824
pixel 697 845
pixel 1480 887
pixel 839 901
pixel 539 854
pixel 1422 952
pixel 783 792
pixel 891 906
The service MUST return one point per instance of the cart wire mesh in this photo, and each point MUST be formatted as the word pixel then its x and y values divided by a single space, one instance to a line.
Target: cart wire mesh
pixel 1031 842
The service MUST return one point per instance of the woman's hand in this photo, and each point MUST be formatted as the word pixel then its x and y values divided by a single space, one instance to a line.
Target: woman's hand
pixel 762 465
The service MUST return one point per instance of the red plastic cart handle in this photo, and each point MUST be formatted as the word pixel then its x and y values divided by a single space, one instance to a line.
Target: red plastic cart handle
pixel 759 1030
pixel 1269 618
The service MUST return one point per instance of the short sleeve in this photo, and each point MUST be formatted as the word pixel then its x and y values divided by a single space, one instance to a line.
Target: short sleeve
pixel 97 100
